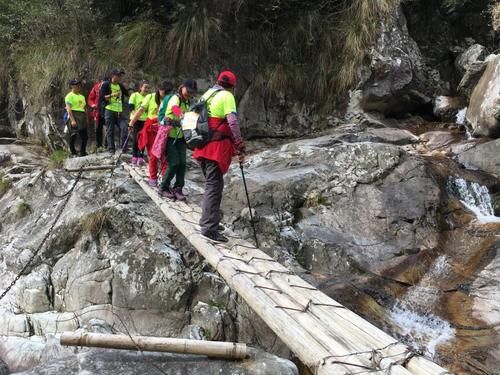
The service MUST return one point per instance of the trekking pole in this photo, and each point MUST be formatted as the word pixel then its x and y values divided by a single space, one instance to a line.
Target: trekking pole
pixel 122 149
pixel 249 206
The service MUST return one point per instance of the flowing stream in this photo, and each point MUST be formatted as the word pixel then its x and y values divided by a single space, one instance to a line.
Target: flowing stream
pixel 474 197
pixel 422 329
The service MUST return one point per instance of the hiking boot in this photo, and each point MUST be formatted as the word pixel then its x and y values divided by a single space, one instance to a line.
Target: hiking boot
pixel 215 237
pixel 133 160
pixel 83 153
pixel 152 182
pixel 221 228
pixel 140 161
pixel 168 193
pixel 178 194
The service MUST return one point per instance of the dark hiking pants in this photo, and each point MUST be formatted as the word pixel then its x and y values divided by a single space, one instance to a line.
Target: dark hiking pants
pixel 79 131
pixel 135 148
pixel 99 126
pixel 114 119
pixel 214 185
pixel 176 163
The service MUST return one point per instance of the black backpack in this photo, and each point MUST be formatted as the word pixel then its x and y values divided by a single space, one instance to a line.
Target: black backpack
pixel 201 134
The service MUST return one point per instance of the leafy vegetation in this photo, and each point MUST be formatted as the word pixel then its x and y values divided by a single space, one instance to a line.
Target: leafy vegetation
pixel 311 49
pixel 22 209
pixel 57 158
pixel 5 185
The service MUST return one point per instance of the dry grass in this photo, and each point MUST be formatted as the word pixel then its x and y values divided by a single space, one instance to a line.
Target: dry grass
pixel 495 16
pixel 141 43
pixel 189 37
pixel 95 222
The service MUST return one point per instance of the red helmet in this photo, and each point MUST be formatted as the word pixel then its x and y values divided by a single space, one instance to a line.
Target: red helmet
pixel 227 77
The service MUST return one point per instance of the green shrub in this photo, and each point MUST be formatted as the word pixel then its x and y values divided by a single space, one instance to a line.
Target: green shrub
pixel 22 209
pixel 5 185
pixel 57 158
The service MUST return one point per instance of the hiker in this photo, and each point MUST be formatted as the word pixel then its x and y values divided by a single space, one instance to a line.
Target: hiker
pixel 147 135
pixel 176 145
pixel 77 118
pixel 96 113
pixel 135 102
pixel 215 157
pixel 112 94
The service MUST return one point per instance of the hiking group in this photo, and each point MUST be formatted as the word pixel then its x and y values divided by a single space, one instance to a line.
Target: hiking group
pixel 153 122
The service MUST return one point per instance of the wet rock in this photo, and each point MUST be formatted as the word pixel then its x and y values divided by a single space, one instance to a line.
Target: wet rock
pixel 110 362
pixel 472 55
pixel 381 135
pixel 483 112
pixel 437 139
pixel 483 156
pixel 446 107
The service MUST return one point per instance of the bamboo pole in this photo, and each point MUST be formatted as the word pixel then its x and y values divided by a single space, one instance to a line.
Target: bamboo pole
pixel 91 168
pixel 39 174
pixel 215 349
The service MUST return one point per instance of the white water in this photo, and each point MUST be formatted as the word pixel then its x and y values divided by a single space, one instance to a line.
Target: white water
pixel 460 119
pixel 474 197
pixel 423 330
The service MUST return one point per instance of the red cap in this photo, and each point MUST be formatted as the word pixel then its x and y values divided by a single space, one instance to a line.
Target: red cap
pixel 227 77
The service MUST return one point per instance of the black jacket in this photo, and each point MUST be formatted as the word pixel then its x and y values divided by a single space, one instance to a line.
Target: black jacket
pixel 106 90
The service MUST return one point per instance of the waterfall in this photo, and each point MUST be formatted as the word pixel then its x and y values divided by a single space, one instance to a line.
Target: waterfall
pixel 474 197
pixel 412 314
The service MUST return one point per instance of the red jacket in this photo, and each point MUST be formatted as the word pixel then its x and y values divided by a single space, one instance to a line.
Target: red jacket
pixel 93 101
pixel 220 151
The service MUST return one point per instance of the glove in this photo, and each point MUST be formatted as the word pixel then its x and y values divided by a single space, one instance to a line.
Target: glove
pixel 240 147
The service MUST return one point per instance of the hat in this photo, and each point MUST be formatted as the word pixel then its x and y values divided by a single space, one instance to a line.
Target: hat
pixel 117 72
pixel 191 86
pixel 74 82
pixel 227 78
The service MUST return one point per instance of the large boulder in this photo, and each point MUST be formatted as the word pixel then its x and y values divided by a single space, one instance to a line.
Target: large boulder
pixel 335 204
pixel 397 80
pixel 483 112
pixel 473 54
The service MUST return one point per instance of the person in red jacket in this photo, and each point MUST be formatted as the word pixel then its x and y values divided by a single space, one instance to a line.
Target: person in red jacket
pixel 215 157
pixel 95 116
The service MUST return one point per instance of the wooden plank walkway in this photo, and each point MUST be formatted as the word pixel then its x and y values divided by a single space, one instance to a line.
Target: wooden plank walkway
pixel 323 334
